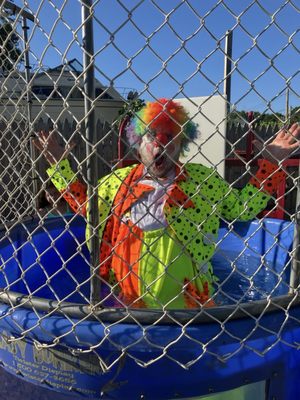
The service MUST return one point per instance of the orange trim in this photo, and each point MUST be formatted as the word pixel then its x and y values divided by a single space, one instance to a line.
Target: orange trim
pixel 106 250
pixel 121 242
pixel 125 262
pixel 193 296
pixel 268 177
pixel 116 234
pixel 135 193
pixel 76 197
pixel 176 197
pixel 126 189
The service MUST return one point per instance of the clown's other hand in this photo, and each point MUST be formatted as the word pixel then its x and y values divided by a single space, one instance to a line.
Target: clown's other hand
pixel 47 143
pixel 285 145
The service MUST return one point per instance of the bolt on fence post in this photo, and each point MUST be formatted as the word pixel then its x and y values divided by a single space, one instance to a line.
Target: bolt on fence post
pixel 32 149
pixel 91 141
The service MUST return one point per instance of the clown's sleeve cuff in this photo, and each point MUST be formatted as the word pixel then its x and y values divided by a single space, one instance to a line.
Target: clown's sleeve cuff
pixel 268 177
pixel 61 174
pixel 66 182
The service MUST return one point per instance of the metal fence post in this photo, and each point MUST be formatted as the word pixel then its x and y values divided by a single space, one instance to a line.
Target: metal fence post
pixel 32 148
pixel 227 68
pixel 91 141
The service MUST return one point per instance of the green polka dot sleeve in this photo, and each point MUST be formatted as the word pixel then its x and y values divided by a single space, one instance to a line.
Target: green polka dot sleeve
pixel 61 175
pixel 242 204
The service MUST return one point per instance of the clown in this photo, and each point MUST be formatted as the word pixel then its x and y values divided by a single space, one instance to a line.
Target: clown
pixel 159 219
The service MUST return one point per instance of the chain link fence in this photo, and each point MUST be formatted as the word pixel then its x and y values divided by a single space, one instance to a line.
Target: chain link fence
pixel 64 68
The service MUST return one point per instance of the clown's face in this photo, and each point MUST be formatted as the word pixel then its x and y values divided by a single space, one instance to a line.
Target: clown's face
pixel 159 153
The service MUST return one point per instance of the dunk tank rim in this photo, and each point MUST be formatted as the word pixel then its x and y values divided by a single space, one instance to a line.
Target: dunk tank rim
pixel 47 345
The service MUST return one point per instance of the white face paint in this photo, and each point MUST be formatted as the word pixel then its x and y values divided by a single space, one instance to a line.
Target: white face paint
pixel 159 153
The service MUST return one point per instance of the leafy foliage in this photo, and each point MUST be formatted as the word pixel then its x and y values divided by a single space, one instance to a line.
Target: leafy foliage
pixel 263 119
pixel 133 105
pixel 9 50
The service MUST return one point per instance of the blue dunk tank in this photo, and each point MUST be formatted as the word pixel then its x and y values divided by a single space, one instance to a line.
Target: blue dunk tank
pixel 51 337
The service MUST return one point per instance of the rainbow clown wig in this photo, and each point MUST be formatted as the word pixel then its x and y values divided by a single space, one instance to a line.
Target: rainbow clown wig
pixel 162 116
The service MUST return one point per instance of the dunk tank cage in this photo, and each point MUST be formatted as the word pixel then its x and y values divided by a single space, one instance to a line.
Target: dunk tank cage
pixel 60 326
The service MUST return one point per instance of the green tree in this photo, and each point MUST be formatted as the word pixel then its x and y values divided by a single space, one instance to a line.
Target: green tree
pixel 9 47
pixel 262 119
pixel 241 116
pixel 295 115
pixel 270 119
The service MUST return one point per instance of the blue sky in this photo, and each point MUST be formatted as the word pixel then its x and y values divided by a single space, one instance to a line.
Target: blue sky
pixel 172 48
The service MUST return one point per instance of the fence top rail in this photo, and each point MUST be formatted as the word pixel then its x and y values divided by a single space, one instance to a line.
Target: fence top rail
pixel 17 10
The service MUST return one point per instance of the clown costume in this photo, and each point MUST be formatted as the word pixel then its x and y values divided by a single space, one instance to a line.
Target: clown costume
pixel 159 219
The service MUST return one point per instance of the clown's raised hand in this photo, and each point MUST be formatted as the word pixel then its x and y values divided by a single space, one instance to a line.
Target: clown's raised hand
pixel 285 145
pixel 47 143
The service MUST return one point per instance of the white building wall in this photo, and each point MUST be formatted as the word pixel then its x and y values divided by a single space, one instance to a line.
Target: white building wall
pixel 210 114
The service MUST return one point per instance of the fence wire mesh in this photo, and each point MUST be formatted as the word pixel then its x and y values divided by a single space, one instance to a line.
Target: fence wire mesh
pixel 155 243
